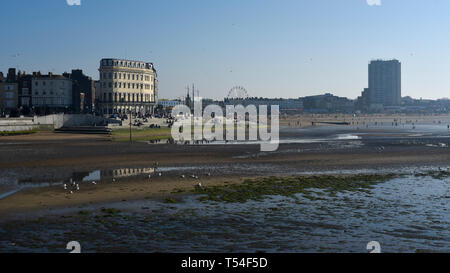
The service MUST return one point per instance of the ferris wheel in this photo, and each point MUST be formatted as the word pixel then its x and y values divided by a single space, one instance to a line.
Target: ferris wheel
pixel 237 92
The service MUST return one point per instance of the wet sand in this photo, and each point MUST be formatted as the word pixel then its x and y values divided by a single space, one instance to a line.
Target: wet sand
pixel 47 199
pixel 54 157
pixel 135 213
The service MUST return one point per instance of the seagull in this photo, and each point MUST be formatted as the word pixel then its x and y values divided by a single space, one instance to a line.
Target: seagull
pixel 149 176
pixel 159 174
pixel 71 192
pixel 199 185
pixel 93 182
pixel 78 187
pixel 113 180
pixel 65 186
pixel 209 174
pixel 182 176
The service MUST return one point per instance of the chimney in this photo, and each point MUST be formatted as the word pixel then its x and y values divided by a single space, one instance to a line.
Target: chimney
pixel 11 77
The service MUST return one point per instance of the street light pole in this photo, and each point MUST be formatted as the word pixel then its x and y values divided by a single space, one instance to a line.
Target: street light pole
pixel 131 139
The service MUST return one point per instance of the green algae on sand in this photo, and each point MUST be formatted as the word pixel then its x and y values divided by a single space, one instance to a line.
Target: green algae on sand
pixel 257 189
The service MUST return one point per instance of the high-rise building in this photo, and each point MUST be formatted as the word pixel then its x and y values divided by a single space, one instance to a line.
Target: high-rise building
pixel 127 86
pixel 385 87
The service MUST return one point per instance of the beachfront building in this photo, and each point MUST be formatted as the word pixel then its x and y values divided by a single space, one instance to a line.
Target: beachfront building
pixel 127 86
pixel 25 91
pixel 83 90
pixel 385 87
pixel 9 92
pixel 165 103
pixel 8 96
pixel 328 103
pixel 52 92
pixel 285 105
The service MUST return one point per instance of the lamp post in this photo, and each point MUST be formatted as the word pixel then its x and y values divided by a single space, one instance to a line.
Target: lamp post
pixel 131 139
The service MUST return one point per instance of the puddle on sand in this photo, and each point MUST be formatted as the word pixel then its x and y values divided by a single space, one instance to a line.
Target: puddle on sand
pixel 404 214
pixel 10 184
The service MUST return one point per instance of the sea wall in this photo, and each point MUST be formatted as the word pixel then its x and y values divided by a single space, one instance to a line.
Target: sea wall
pixel 50 122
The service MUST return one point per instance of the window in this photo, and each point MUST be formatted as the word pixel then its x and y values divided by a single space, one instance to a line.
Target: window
pixel 9 95
pixel 115 75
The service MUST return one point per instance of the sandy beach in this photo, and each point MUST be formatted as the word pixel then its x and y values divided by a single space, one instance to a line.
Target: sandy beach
pixel 46 156
pixel 143 197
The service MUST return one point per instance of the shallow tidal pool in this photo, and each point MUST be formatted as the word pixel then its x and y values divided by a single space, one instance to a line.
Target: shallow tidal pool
pixel 404 214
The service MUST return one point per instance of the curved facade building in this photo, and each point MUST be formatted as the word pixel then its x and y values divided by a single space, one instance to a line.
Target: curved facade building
pixel 127 86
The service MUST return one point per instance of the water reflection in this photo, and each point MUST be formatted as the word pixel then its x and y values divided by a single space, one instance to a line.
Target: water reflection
pixel 13 185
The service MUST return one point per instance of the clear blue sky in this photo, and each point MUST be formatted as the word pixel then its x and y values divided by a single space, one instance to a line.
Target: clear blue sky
pixel 287 48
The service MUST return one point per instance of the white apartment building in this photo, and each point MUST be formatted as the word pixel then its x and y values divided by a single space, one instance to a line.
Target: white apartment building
pixel 127 86
pixel 53 91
